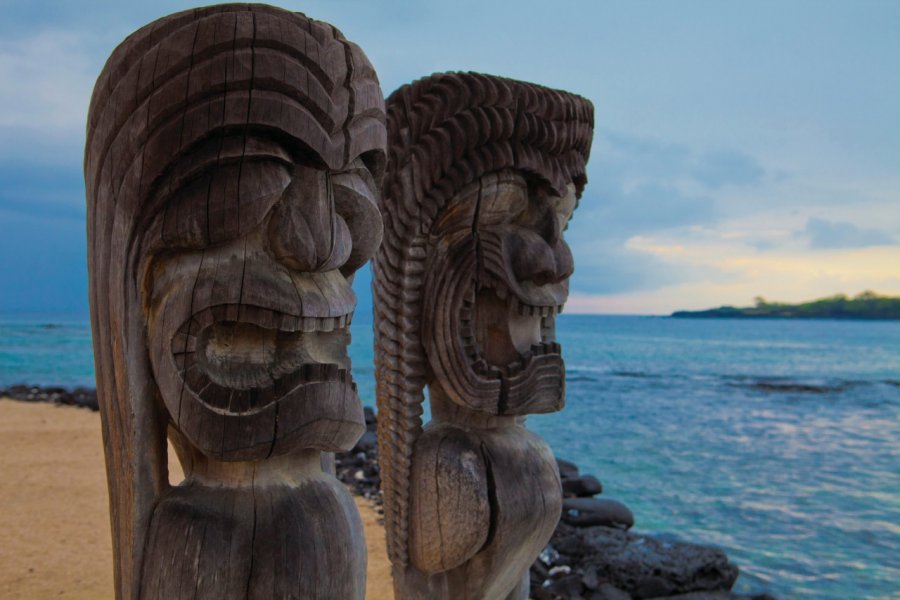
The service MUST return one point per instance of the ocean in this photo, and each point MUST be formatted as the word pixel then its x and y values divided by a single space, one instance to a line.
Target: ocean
pixel 778 441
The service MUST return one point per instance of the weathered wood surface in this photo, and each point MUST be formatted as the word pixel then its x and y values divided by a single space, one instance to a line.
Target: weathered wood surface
pixel 483 175
pixel 233 160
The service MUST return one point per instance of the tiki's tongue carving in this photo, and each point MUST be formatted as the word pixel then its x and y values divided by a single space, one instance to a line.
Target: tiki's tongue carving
pixel 238 355
pixel 504 333
pixel 244 356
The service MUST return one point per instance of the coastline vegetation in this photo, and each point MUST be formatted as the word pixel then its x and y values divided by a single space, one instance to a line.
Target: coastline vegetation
pixel 867 305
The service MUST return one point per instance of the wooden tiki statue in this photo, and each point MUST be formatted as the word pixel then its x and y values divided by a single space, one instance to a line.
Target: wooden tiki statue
pixel 233 159
pixel 483 175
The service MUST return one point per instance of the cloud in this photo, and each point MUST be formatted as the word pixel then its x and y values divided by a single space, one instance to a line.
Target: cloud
pixel 827 235
pixel 727 167
pixel 642 187
pixel 42 190
pixel 709 274
pixel 44 264
pixel 638 157
pixel 45 85
pixel 608 267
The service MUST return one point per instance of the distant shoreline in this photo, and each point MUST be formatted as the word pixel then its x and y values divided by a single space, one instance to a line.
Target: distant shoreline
pixel 703 314
pixel 867 306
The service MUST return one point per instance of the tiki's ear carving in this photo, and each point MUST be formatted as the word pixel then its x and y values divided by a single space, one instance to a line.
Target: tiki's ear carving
pixel 233 162
pixel 448 136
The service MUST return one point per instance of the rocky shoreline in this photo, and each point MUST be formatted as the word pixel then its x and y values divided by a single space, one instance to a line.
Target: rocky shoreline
pixel 80 396
pixel 592 554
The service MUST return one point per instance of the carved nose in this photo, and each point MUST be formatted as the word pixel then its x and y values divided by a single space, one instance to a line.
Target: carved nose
pixel 305 231
pixel 535 259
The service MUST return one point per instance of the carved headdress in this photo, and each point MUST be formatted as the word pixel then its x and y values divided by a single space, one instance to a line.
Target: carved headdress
pixel 200 87
pixel 444 133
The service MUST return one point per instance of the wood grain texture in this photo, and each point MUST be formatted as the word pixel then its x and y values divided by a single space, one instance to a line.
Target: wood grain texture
pixel 483 174
pixel 234 154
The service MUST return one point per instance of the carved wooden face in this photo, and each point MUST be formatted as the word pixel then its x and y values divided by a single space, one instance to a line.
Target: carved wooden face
pixel 247 290
pixel 498 275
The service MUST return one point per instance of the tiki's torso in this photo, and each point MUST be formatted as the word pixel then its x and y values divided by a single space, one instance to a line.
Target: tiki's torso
pixel 261 541
pixel 513 477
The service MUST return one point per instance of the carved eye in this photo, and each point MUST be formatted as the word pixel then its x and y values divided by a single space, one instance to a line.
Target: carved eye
pixel 504 199
pixel 223 203
pixel 565 206
pixel 354 200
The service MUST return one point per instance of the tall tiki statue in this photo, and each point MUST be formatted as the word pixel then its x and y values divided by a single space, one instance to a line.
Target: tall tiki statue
pixel 233 159
pixel 483 175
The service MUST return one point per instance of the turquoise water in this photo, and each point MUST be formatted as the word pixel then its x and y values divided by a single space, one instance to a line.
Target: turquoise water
pixel 777 440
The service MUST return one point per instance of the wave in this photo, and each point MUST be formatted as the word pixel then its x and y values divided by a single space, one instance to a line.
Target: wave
pixel 795 387
pixel 576 374
pixel 636 374
pixel 762 384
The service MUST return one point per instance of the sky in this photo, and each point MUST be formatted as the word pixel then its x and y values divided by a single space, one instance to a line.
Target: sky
pixel 740 150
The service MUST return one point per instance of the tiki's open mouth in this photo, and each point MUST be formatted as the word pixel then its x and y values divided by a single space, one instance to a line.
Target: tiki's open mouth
pixel 503 333
pixel 240 359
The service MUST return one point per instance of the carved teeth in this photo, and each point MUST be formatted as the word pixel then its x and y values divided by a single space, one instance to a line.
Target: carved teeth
pixel 261 385
pixel 203 319
pixel 232 312
pixel 184 342
pixel 526 310
pixel 288 323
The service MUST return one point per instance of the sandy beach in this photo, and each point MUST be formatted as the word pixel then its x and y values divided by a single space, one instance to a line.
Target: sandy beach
pixel 55 516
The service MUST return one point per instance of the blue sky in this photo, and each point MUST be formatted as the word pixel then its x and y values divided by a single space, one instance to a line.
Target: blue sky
pixel 741 149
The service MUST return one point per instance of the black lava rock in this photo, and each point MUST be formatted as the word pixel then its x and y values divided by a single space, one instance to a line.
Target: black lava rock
pixel 367 443
pixel 582 487
pixel 567 470
pixel 83 397
pixel 587 512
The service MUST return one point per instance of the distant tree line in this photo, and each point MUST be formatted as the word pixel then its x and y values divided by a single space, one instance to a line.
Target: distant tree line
pixel 867 305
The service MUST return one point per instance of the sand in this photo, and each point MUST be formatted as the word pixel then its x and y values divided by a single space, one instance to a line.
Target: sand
pixel 54 515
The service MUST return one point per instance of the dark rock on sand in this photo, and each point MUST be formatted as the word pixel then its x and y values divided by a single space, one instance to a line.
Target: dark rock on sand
pixel 582 487
pixel 607 591
pixel 647 567
pixel 566 586
pixel 715 596
pixel 610 560
pixel 371 421
pixel 567 470
pixel 358 469
pixel 587 512
pixel 366 443
pixel 653 587
pixel 83 397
